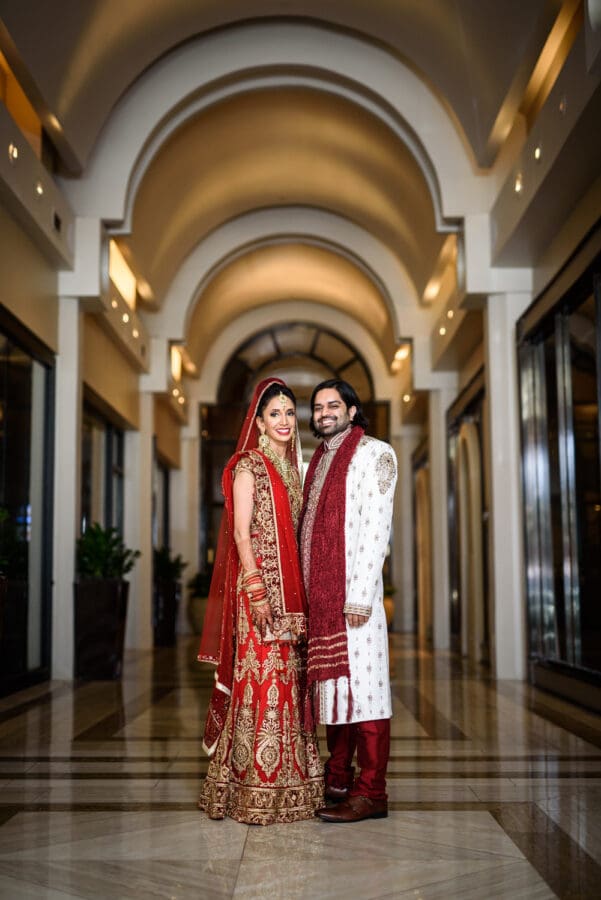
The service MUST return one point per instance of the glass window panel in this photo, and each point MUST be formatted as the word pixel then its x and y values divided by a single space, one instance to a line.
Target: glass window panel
pixel 258 351
pixel 296 338
pixel 333 351
pixel 93 468
pixel 584 363
pixel 551 516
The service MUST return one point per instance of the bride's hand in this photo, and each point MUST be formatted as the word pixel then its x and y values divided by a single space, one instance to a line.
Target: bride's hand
pixel 262 617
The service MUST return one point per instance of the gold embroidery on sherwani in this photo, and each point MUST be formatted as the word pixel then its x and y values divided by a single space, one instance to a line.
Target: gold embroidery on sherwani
pixel 385 472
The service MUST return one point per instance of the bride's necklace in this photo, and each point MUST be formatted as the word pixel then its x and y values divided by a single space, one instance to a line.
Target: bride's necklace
pixel 285 469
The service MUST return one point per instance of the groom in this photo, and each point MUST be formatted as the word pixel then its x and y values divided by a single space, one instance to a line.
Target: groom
pixel 345 527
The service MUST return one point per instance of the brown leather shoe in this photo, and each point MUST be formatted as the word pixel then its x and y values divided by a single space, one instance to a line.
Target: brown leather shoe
pixel 336 794
pixel 355 809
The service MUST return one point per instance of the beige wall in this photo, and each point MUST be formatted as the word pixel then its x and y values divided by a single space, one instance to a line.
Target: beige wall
pixel 108 373
pixel 28 282
pixel 167 429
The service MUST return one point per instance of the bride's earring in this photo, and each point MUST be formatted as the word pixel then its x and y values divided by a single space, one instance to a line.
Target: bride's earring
pixel 263 442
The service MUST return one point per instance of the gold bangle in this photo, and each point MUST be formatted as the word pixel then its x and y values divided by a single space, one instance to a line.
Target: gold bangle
pixel 249 573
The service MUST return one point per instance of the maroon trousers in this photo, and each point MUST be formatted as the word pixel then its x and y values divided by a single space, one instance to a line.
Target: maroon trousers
pixel 371 740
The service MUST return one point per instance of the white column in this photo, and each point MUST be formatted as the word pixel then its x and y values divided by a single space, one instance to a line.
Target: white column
pixel 185 502
pixel 138 525
pixel 404 531
pixel 67 432
pixel 439 402
pixel 506 580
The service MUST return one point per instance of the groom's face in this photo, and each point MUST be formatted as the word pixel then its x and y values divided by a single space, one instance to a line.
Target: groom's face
pixel 330 413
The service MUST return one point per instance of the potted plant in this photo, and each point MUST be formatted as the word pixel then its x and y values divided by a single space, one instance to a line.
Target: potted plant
pixel 167 575
pixel 101 593
pixel 198 592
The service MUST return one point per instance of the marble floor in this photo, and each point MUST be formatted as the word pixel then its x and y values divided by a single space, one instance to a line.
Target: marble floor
pixel 495 791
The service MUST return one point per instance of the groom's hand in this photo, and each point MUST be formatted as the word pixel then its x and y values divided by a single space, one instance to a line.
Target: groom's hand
pixel 355 621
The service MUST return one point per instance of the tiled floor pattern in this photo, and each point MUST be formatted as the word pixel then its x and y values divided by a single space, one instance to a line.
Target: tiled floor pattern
pixel 490 796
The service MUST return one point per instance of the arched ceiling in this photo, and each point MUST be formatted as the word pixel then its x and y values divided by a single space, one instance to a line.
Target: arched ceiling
pixel 284 273
pixel 477 56
pixel 274 148
pixel 379 136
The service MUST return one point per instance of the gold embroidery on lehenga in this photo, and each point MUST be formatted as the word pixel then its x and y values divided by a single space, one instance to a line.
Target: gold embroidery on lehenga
pixel 235 784
pixel 243 623
pixel 243 733
pixel 268 744
pixel 247 664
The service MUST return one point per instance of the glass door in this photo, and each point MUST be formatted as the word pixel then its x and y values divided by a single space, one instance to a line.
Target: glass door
pixel 25 530
pixel 560 387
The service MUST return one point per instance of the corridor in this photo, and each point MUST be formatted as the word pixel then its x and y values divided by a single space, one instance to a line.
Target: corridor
pixel 495 792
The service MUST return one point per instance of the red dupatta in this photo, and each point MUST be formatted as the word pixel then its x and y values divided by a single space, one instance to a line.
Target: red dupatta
pixel 285 583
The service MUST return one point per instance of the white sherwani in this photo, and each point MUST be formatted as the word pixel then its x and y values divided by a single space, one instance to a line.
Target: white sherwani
pixel 370 484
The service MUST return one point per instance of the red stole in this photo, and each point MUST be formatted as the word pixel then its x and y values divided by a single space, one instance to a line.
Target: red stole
pixel 328 647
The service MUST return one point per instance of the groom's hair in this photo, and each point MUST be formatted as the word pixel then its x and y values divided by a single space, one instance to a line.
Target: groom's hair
pixel 349 398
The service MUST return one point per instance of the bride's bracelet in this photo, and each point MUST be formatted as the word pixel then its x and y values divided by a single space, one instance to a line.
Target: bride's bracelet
pixel 250 574
pixel 261 601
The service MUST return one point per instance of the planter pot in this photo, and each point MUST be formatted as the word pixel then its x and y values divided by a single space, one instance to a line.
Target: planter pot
pixel 196 612
pixel 100 614
pixel 165 603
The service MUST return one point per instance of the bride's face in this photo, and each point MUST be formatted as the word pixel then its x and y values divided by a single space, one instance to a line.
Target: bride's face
pixel 277 420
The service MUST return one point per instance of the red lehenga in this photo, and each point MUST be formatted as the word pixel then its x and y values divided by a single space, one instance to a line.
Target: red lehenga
pixel 264 768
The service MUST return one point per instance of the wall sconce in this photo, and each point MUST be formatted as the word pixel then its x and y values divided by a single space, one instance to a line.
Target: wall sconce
pixel 518 184
pixel 13 153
